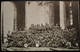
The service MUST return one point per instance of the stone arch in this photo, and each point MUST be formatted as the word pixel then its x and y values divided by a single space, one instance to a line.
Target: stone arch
pixel 8 16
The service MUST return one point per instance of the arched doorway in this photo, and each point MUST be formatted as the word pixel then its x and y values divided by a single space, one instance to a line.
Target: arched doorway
pixel 8 15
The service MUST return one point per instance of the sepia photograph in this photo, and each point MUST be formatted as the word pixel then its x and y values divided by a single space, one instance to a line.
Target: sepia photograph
pixel 39 25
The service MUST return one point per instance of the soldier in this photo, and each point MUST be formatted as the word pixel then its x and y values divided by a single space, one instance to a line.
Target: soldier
pixel 9 33
pixel 37 43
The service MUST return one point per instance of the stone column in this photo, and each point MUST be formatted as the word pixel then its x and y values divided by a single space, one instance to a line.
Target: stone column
pixel 62 15
pixel 51 13
pixel 2 35
pixel 26 4
pixel 75 14
pixel 56 13
pixel 20 15
pixel 15 18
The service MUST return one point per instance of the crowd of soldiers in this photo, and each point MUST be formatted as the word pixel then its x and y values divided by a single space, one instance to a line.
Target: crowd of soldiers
pixel 45 36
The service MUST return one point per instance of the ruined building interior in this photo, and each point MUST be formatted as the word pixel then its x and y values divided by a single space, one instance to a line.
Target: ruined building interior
pixel 20 15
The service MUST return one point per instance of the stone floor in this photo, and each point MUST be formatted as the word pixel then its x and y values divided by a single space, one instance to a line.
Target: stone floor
pixel 39 49
pixel 4 47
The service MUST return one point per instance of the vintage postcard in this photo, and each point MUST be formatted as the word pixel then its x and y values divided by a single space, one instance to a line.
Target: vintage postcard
pixel 39 25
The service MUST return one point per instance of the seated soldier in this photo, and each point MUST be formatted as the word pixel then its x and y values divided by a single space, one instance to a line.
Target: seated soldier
pixel 9 33
pixel 42 27
pixel 47 26
pixel 57 26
